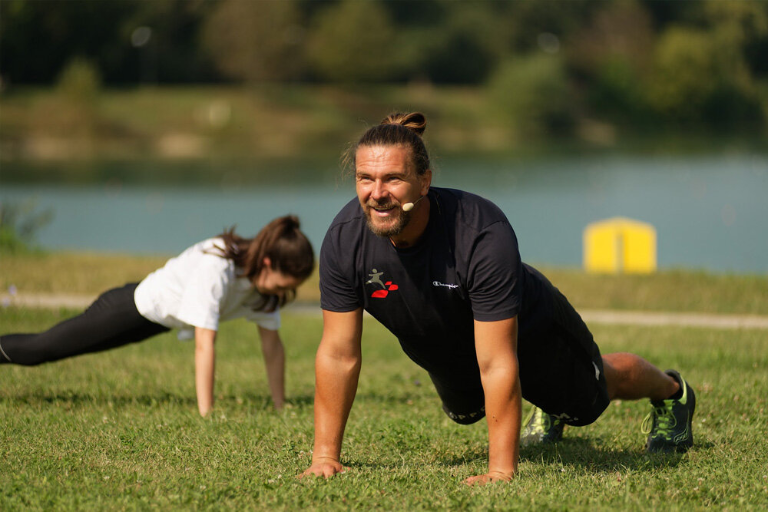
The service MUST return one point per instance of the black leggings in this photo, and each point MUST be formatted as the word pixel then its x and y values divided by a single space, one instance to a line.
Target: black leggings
pixel 110 322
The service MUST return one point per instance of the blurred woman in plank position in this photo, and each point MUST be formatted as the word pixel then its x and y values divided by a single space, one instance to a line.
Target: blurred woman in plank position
pixel 215 280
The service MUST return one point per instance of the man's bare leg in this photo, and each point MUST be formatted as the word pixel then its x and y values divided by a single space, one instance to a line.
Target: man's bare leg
pixel 630 377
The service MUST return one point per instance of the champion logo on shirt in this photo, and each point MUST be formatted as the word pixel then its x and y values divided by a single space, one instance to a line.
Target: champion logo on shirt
pixel 386 286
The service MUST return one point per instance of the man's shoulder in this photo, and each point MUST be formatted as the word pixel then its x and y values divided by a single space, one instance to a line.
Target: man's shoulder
pixel 469 209
pixel 350 214
pixel 346 231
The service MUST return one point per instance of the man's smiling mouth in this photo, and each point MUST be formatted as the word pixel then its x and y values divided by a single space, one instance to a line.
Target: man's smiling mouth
pixel 383 209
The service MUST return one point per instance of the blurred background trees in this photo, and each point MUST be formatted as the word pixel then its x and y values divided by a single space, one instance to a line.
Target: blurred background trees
pixel 255 42
pixel 550 66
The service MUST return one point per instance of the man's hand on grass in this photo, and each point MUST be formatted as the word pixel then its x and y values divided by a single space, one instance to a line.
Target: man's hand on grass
pixel 325 467
pixel 493 476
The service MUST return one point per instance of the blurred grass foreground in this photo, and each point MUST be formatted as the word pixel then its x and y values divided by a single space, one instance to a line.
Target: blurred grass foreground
pixel 85 275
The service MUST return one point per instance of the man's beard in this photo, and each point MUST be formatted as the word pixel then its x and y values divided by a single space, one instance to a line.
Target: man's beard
pixel 390 230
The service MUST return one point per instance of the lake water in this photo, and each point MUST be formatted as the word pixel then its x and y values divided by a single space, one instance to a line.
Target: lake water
pixel 710 212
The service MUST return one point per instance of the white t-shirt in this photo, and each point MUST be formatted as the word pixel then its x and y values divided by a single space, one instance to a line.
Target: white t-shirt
pixel 199 288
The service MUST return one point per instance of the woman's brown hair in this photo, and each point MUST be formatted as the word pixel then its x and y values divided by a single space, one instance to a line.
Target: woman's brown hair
pixel 287 248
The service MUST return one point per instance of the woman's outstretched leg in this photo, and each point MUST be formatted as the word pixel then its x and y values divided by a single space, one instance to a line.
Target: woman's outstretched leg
pixel 110 322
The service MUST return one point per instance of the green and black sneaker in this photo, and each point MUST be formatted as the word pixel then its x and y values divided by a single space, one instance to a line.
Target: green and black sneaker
pixel 541 427
pixel 670 424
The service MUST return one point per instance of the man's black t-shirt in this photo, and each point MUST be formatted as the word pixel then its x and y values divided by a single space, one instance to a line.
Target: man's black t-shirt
pixel 465 267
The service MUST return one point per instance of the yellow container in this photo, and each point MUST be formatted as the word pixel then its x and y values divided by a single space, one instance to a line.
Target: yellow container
pixel 620 245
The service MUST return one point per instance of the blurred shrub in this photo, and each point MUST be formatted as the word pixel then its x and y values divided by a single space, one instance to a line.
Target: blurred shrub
pixel 352 42
pixel 699 78
pixel 743 23
pixel 617 92
pixel 611 54
pixel 18 226
pixel 533 95
pixel 622 32
pixel 74 108
pixel 466 46
pixel 79 81
pixel 256 41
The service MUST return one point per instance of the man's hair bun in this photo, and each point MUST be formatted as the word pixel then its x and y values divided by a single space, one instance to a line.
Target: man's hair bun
pixel 414 121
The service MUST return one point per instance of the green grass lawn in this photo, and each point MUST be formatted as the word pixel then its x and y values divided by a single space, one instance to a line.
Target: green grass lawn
pixel 119 430
pixel 92 273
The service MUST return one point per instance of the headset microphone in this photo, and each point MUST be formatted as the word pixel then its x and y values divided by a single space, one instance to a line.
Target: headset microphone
pixel 409 206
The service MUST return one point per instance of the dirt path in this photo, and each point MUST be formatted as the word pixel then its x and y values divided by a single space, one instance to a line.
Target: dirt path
pixel 649 318
pixel 710 320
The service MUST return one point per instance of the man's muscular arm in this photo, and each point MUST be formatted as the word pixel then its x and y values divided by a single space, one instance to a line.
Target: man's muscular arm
pixel 496 347
pixel 337 368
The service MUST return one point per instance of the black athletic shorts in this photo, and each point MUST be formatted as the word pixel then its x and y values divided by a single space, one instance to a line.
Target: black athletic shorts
pixel 561 369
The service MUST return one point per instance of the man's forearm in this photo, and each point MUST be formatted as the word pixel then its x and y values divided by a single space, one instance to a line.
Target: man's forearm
pixel 336 385
pixel 496 348
pixel 503 407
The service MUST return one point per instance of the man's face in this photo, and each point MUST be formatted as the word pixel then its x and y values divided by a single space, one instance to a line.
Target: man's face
pixel 385 180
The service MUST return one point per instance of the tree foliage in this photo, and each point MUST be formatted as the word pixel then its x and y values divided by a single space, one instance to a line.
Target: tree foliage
pixel 622 61
pixel 353 41
pixel 533 92
pixel 256 41
pixel 466 47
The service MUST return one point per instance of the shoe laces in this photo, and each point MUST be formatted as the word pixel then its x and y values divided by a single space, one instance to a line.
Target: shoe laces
pixel 659 419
